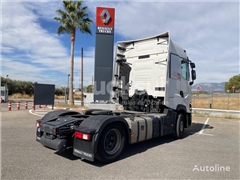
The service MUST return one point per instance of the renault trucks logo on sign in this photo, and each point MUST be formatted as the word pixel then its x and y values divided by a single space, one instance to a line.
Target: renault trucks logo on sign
pixel 105 16
pixel 105 20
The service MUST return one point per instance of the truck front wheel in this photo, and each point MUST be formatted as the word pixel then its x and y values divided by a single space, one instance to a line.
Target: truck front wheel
pixel 179 130
pixel 111 143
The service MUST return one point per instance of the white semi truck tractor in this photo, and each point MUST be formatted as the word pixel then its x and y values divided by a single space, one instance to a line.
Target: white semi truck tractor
pixel 152 80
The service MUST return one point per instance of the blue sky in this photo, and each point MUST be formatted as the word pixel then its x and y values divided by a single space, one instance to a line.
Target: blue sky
pixel 32 51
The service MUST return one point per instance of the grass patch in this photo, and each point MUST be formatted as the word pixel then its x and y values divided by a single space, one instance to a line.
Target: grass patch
pixel 229 116
pixel 69 106
pixel 76 97
pixel 21 96
pixel 26 96
pixel 198 114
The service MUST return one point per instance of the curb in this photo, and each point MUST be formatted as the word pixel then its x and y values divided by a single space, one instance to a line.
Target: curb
pixel 218 112
pixel 73 109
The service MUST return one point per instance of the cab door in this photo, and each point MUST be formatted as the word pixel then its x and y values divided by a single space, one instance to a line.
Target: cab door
pixel 179 88
pixel 174 82
pixel 185 90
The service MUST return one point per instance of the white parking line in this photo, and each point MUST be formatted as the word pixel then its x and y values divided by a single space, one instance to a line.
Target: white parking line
pixel 30 111
pixel 204 125
pixel 200 132
pixel 206 134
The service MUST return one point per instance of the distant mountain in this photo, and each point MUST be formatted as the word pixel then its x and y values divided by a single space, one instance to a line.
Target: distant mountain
pixel 209 86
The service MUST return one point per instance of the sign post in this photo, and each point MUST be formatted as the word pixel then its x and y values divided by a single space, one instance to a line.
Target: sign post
pixel 198 89
pixel 103 68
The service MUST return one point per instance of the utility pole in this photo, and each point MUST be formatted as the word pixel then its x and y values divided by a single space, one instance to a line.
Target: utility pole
pixel 68 88
pixel 92 84
pixel 6 80
pixel 82 103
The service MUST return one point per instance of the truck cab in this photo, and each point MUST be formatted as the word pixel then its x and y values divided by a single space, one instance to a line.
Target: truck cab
pixel 151 74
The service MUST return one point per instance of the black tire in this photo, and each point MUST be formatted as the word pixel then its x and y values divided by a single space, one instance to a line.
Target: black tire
pixel 179 129
pixel 111 143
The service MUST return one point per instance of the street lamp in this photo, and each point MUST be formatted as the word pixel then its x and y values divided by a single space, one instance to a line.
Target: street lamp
pixel 6 80
pixel 68 88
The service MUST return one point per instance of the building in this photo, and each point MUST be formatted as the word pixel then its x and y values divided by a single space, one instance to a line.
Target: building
pixel 4 94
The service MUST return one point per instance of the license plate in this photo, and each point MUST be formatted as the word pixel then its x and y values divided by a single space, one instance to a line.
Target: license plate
pixel 84 155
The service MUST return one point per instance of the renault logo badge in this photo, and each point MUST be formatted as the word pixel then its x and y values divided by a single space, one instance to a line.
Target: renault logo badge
pixel 105 16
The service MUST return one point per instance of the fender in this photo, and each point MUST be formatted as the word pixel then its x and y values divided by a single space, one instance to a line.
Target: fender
pixel 181 107
pixel 188 119
pixel 96 124
pixel 55 114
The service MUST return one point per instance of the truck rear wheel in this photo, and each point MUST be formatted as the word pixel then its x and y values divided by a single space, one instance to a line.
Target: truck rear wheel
pixel 111 143
pixel 179 130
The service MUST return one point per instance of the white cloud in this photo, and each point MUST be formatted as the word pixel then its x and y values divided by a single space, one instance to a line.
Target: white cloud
pixel 22 31
pixel 7 49
pixel 18 70
pixel 45 9
pixel 208 31
pixel 32 53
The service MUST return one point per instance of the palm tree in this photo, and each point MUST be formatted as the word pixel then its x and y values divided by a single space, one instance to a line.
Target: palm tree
pixel 72 18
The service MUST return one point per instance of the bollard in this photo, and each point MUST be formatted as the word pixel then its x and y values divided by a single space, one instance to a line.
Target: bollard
pixel 26 105
pixel 39 106
pixel 32 105
pixel 18 105
pixel 9 106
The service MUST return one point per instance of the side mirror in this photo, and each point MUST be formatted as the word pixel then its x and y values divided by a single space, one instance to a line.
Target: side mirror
pixel 193 74
pixel 192 65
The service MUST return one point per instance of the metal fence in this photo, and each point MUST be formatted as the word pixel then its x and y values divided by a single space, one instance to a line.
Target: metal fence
pixel 216 100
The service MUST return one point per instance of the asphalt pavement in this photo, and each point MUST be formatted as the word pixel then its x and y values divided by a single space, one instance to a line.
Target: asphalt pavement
pixel 209 150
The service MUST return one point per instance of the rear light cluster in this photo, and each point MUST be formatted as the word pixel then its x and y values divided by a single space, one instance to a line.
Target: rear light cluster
pixel 38 124
pixel 81 135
